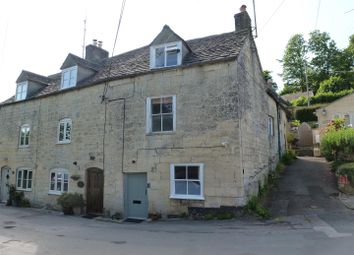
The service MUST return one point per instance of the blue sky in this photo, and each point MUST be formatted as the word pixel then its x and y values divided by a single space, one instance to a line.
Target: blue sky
pixel 37 35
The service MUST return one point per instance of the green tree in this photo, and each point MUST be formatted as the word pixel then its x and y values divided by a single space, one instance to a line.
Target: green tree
pixel 294 63
pixel 269 79
pixel 320 61
pixel 326 57
pixel 333 84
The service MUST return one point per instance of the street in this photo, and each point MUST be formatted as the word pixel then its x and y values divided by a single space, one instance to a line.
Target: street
pixel 308 219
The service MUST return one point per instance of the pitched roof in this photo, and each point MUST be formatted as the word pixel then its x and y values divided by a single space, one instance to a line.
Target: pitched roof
pixel 204 50
pixel 72 59
pixel 29 76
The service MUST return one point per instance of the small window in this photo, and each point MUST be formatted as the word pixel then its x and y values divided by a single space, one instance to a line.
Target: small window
pixel 68 77
pixel 346 119
pixel 270 126
pixel 186 181
pixel 24 135
pixel 64 131
pixel 21 91
pixel 166 55
pixel 161 114
pixel 24 179
pixel 59 181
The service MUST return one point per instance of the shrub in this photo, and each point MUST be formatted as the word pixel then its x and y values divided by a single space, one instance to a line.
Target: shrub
pixel 288 157
pixel 306 114
pixel 300 101
pixel 253 207
pixel 348 170
pixel 328 97
pixel 70 200
pixel 338 144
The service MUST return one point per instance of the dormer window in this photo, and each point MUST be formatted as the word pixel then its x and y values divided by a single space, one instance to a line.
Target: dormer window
pixel 69 77
pixel 21 91
pixel 166 55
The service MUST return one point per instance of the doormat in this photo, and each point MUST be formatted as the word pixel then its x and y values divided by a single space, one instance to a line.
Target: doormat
pixel 133 220
pixel 90 216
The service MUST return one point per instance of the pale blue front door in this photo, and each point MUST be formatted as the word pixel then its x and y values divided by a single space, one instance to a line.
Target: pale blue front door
pixel 136 201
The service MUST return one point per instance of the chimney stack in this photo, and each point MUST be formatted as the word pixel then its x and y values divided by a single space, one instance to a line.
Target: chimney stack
pixel 95 53
pixel 242 20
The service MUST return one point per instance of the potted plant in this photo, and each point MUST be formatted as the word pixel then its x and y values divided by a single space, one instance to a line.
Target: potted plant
pixel 69 201
pixel 15 197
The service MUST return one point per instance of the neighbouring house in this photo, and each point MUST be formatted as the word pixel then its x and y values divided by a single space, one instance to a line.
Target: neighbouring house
pixel 170 126
pixel 341 108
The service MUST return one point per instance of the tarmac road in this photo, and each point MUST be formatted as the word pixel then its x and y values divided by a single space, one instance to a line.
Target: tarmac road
pixel 311 221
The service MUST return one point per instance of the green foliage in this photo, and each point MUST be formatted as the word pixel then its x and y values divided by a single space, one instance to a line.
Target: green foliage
pixel 17 198
pixel 328 68
pixel 306 114
pixel 288 157
pixel 338 144
pixel 335 125
pixel 300 101
pixel 269 79
pixel 322 97
pixel 253 207
pixel 334 84
pixel 348 170
pixel 70 200
pixel 295 123
pixel 328 97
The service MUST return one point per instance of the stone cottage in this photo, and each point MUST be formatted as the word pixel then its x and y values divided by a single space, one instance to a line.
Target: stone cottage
pixel 160 129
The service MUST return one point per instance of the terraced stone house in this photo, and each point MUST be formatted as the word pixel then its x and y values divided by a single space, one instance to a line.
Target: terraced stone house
pixel 173 125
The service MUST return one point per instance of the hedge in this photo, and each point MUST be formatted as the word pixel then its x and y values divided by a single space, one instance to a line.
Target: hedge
pixel 306 114
pixel 321 98
pixel 338 145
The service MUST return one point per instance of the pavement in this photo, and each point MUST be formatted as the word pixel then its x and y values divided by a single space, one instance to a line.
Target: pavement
pixel 347 200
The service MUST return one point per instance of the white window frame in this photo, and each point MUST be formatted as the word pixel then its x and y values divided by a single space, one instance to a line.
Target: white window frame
pixel 24 181
pixel 270 125
pixel 22 139
pixel 72 71
pixel 173 195
pixel 149 115
pixel 21 90
pixel 167 47
pixel 55 190
pixel 65 122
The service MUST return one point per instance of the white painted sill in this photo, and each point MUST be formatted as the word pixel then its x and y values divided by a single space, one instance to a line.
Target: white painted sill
pixel 201 198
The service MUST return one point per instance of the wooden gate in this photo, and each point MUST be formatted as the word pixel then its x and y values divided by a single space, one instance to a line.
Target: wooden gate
pixel 94 191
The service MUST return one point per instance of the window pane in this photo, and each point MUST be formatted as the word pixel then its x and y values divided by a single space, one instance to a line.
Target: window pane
pixel 160 57
pixel 167 105
pixel 172 58
pixel 30 175
pixel 156 123
pixel 24 174
pixel 181 187
pixel 156 106
pixel 180 172
pixel 29 184
pixel 68 131
pixel 59 181
pixel 193 172
pixel 194 188
pixel 19 179
pixel 346 119
pixel 26 139
pixel 24 183
pixel 52 181
pixel 61 132
pixel 167 122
